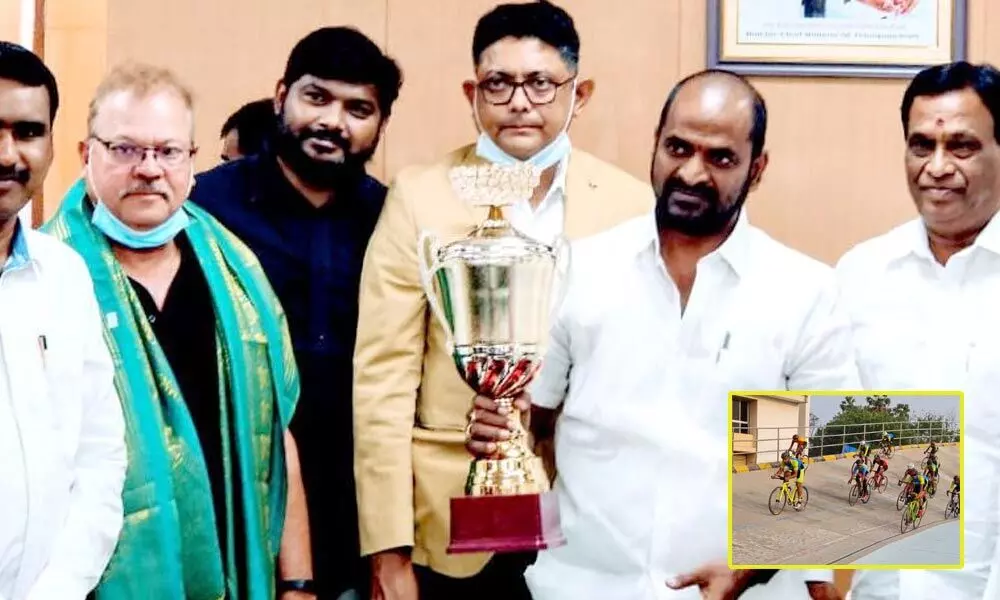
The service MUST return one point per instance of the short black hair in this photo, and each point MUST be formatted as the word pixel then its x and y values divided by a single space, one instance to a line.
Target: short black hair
pixel 345 54
pixel 254 123
pixel 758 131
pixel 19 64
pixel 541 20
pixel 983 79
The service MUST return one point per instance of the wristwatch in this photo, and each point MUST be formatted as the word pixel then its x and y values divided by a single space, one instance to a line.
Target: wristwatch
pixel 296 585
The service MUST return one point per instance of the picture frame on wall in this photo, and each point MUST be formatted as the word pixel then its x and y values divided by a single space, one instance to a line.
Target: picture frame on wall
pixel 835 38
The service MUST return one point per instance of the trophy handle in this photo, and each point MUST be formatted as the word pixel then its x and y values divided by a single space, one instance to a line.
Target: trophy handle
pixel 562 250
pixel 427 255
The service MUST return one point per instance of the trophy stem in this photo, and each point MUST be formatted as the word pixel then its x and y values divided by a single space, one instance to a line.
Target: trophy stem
pixel 513 470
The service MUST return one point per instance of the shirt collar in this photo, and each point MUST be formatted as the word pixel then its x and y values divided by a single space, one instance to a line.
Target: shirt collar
pixel 19 256
pixel 911 240
pixel 734 250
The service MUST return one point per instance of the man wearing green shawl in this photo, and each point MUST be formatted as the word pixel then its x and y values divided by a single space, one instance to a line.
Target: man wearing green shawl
pixel 214 506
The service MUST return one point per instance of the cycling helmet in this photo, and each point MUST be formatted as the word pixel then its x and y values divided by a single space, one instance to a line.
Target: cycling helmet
pixel 910 467
pixel 785 455
pixel 795 437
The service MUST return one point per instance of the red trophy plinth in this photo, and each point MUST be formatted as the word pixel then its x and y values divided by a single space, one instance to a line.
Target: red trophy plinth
pixel 508 506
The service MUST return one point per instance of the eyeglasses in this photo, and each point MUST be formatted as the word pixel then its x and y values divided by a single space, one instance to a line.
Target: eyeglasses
pixel 499 89
pixel 129 154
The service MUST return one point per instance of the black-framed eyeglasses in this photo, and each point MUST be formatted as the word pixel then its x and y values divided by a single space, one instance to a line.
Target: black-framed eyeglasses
pixel 129 154
pixel 499 89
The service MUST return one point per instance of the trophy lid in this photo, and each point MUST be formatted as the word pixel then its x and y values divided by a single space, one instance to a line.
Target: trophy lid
pixel 495 240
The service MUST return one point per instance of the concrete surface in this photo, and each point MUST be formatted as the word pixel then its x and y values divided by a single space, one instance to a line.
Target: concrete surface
pixel 936 545
pixel 828 531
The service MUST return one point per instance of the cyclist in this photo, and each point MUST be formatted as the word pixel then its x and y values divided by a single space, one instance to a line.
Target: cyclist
pixel 794 467
pixel 932 468
pixel 886 440
pixel 860 471
pixel 955 488
pixel 932 449
pixel 879 465
pixel 863 451
pixel 918 487
pixel 798 445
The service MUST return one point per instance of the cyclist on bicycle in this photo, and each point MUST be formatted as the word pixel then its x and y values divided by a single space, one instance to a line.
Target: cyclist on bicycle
pixel 794 467
pixel 798 445
pixel 956 486
pixel 932 468
pixel 859 471
pixel 932 449
pixel 917 485
pixel 879 465
pixel 863 451
pixel 886 440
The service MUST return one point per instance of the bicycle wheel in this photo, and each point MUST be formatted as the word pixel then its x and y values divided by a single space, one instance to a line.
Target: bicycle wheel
pixel 917 517
pixel 852 495
pixel 889 451
pixel 901 500
pixel 776 502
pixel 867 495
pixel 932 488
pixel 949 510
pixel 805 499
pixel 923 464
pixel 882 483
pixel 904 521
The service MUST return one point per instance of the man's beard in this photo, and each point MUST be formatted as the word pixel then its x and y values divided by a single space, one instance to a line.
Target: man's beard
pixel 321 174
pixel 712 220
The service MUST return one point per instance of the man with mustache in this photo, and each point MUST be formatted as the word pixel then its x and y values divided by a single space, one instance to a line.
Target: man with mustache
pixel 410 406
pixel 923 303
pixel 62 437
pixel 214 506
pixel 713 304
pixel 306 207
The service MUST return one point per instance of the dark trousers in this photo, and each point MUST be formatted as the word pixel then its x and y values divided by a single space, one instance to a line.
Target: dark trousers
pixel 502 579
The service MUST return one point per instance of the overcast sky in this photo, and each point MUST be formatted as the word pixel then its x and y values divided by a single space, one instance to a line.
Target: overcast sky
pixel 826 407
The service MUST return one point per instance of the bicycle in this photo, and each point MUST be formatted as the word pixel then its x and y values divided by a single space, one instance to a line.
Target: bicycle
pixel 886 449
pixel 783 494
pixel 901 499
pixel 855 493
pixel 953 507
pixel 878 481
pixel 911 516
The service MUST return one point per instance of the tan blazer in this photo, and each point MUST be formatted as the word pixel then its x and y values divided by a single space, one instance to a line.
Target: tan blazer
pixel 410 405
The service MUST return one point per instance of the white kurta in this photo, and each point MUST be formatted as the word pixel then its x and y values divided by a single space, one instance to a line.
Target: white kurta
pixel 641 445
pixel 923 326
pixel 63 454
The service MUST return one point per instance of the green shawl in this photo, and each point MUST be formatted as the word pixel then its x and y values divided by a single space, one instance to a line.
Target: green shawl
pixel 169 546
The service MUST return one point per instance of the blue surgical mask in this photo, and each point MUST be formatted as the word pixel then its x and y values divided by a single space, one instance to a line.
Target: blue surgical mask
pixel 116 229
pixel 556 150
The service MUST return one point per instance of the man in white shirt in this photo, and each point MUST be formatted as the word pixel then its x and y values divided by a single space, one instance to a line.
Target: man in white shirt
pixel 663 316
pixel 923 303
pixel 62 440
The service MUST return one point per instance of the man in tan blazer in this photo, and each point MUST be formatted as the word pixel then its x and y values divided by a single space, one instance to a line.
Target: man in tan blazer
pixel 410 405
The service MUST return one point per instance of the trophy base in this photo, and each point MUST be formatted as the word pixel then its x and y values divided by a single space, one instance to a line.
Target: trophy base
pixel 503 524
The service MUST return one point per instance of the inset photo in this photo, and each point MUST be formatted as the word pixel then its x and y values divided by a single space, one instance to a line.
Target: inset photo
pixel 866 479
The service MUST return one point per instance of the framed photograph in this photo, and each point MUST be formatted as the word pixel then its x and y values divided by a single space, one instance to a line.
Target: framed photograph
pixel 852 38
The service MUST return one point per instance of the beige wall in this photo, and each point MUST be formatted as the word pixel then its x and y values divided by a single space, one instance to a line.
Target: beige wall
pixel 10 20
pixel 774 413
pixel 833 181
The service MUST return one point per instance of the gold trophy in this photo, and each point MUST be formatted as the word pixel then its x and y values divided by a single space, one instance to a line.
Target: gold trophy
pixel 493 292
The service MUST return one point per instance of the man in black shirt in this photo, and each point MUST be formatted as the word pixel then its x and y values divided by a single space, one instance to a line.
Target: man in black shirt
pixel 306 207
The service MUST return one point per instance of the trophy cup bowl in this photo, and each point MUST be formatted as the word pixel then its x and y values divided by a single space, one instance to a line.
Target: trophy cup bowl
pixel 494 293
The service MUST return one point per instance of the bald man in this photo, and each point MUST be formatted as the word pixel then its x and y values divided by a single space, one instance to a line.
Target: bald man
pixel 642 378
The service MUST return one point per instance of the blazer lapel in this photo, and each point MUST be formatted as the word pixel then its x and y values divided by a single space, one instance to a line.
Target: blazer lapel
pixel 582 197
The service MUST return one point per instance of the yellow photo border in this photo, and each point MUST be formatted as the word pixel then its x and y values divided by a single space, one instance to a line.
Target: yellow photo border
pixel 850 566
